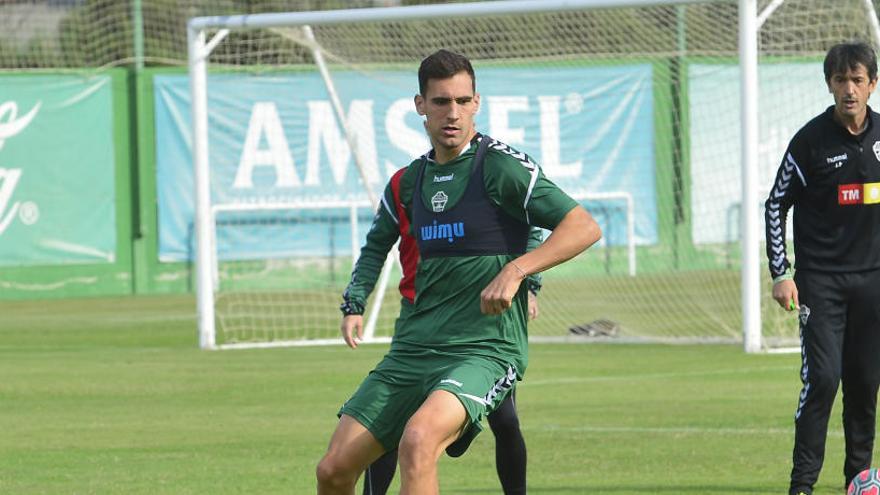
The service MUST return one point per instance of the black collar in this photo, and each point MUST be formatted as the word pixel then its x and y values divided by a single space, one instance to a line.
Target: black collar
pixel 869 123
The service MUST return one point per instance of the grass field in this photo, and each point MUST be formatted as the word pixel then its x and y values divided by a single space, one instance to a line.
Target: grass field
pixel 111 396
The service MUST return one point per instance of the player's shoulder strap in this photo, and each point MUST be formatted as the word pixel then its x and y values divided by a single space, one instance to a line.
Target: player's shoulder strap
pixel 480 154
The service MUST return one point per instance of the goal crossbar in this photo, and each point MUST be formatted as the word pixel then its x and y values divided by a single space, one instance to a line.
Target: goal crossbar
pixel 416 12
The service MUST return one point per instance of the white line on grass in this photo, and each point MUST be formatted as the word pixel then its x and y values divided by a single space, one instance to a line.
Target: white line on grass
pixel 110 319
pixel 652 376
pixel 674 430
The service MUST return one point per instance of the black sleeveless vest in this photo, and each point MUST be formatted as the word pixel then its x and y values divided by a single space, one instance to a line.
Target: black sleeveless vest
pixel 472 227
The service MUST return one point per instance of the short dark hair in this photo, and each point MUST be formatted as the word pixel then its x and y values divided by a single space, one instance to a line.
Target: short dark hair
pixel 444 64
pixel 846 56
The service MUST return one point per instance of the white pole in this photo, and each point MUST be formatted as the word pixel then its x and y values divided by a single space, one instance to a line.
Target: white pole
pixel 751 280
pixel 340 113
pixel 204 259
pixel 768 11
pixel 871 13
pixel 215 257
pixel 379 294
pixel 355 235
pixel 631 233
pixel 376 304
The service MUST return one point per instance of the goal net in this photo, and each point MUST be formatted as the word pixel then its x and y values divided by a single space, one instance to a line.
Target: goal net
pixel 633 108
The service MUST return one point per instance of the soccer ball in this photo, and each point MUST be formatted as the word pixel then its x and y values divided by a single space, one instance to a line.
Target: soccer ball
pixel 865 483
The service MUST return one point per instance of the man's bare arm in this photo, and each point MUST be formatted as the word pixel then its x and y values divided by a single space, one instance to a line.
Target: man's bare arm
pixel 576 232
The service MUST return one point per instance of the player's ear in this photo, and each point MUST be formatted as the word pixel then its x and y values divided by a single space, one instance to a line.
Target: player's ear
pixel 419 100
pixel 477 101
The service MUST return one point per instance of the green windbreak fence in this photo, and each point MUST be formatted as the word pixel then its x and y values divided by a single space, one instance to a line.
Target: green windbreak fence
pixel 65 184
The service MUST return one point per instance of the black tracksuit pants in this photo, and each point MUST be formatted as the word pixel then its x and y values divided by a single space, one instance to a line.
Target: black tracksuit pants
pixel 840 342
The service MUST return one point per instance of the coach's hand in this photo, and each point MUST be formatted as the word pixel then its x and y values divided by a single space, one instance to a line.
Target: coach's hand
pixel 352 325
pixel 785 291
pixel 497 296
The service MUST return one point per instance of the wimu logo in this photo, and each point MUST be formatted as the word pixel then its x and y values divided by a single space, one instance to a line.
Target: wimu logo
pixel 11 125
pixel 448 231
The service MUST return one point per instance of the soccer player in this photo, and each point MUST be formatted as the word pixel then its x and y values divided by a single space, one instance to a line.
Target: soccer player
pixel 456 356
pixel 831 175
pixel 389 225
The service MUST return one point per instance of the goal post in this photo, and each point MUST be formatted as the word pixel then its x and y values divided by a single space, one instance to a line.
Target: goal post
pixel 750 284
pixel 663 133
pixel 626 200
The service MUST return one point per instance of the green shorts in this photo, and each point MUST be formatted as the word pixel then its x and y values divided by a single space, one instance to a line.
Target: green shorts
pixel 399 385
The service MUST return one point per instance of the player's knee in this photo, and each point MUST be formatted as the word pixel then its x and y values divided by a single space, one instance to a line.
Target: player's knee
pixel 331 474
pixel 415 448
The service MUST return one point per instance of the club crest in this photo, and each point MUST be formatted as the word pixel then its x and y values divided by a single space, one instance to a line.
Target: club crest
pixel 876 149
pixel 438 201
pixel 804 314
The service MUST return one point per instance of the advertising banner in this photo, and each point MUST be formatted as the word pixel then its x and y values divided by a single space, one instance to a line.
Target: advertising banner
pixel 275 138
pixel 57 189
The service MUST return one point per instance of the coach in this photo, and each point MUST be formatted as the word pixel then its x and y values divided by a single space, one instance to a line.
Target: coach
pixel 831 175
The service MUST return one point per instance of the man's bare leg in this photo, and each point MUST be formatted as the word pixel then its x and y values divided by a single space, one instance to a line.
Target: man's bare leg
pixel 436 424
pixel 352 448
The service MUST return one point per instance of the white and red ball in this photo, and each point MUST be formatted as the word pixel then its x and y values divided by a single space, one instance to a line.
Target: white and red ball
pixel 865 483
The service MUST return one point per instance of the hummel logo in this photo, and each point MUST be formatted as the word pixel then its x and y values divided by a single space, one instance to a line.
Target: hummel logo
pixel 835 159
